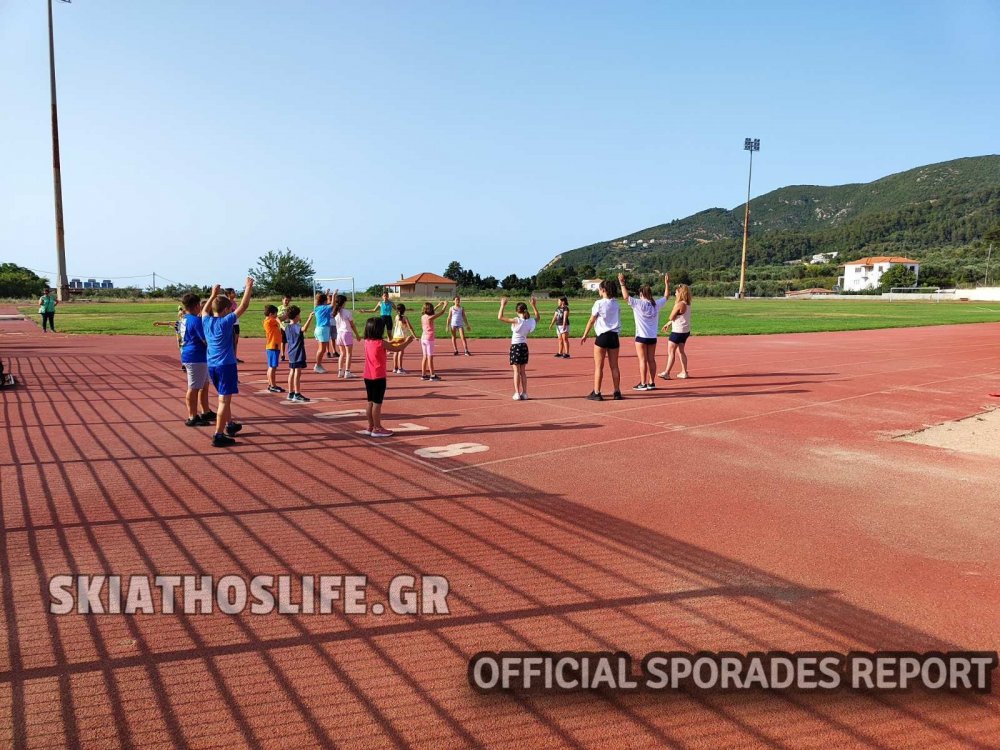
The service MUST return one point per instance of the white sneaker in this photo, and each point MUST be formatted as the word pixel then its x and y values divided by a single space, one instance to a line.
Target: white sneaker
pixel 516 397
pixel 320 369
pixel 682 376
pixel 340 373
pixel 348 375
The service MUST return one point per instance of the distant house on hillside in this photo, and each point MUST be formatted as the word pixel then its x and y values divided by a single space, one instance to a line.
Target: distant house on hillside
pixel 590 285
pixel 823 257
pixel 422 285
pixel 866 273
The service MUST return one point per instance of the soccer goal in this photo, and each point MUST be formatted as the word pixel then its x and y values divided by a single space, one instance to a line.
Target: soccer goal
pixel 335 282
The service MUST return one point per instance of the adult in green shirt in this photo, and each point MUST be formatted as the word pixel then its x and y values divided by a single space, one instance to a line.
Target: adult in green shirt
pixel 47 309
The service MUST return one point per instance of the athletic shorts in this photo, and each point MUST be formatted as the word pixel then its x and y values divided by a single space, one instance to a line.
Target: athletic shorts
pixel 562 329
pixel 387 320
pixel 284 336
pixel 225 379
pixel 427 347
pixel 644 340
pixel 519 354
pixel 375 389
pixel 296 365
pixel 273 356
pixel 322 334
pixel 607 340
pixel 680 338
pixel 236 329
pixel 347 339
pixel 197 374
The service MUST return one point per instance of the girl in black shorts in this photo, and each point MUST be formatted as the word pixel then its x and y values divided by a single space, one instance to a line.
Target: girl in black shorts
pixel 680 330
pixel 520 326
pixel 605 320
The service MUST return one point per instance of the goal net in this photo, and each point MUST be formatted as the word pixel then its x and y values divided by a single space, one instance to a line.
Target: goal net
pixel 335 282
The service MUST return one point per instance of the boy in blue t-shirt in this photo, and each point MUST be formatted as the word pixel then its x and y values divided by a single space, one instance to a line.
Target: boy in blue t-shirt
pixel 218 321
pixel 194 360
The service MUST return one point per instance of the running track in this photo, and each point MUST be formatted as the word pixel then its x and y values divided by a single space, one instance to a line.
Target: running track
pixel 763 504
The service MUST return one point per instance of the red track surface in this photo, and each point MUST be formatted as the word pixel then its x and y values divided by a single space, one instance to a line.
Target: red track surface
pixel 761 505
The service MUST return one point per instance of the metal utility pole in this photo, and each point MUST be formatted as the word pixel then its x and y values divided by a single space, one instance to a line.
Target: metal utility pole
pixel 751 145
pixel 62 280
pixel 989 255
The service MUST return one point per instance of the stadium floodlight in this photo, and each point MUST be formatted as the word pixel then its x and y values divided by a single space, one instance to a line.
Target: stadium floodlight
pixel 62 280
pixel 751 145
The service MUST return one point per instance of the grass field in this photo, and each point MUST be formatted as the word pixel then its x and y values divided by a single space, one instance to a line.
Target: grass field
pixel 710 316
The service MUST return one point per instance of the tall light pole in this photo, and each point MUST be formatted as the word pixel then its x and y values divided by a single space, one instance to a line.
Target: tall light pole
pixel 62 282
pixel 751 145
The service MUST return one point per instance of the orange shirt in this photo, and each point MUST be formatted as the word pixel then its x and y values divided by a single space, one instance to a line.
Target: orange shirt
pixel 272 329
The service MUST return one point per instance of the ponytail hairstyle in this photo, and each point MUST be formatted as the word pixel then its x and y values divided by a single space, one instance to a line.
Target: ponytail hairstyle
pixel 521 309
pixel 400 311
pixel 646 292
pixel 338 303
pixel 684 294
pixel 565 302
pixel 374 329
pixel 609 287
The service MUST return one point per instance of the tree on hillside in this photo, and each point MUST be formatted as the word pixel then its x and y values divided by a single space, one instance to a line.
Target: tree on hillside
pixel 17 281
pixel 549 278
pixel 454 271
pixel 897 276
pixel 280 272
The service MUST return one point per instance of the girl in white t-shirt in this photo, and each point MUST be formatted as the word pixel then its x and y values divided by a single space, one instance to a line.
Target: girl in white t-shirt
pixel 346 333
pixel 605 320
pixel 646 312
pixel 680 330
pixel 520 326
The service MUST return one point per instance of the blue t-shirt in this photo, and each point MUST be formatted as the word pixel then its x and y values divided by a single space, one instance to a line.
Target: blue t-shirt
pixel 296 343
pixel 219 335
pixel 385 309
pixel 323 315
pixel 194 348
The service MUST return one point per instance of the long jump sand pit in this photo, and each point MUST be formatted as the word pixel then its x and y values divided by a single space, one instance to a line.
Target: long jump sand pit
pixel 761 505
pixel 979 433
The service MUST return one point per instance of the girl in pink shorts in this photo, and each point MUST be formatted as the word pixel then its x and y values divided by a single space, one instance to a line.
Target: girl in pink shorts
pixel 430 314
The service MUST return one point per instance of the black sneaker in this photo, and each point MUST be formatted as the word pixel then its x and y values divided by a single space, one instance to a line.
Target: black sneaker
pixel 275 389
pixel 302 399
pixel 640 387
pixel 559 356
pixel 456 352
pixel 239 361
pixel 565 356
pixel 425 377
pixel 434 377
pixel 618 396
pixel 209 416
pixel 468 353
pixel 221 441
pixel 194 422
pixel 232 428
pixel 650 386
pixel 595 396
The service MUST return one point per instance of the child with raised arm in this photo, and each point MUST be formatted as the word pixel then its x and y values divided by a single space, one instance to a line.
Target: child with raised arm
pixel 272 347
pixel 323 312
pixel 646 312
pixel 520 327
pixel 286 302
pixel 560 319
pixel 218 321
pixel 606 322
pixel 346 333
pixel 430 314
pixel 231 295
pixel 295 332
pixel 176 325
pixel 401 329
pixel 680 329
pixel 376 349
pixel 457 323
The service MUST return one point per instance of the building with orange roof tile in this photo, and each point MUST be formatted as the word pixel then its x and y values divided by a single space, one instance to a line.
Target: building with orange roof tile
pixel 866 273
pixel 422 285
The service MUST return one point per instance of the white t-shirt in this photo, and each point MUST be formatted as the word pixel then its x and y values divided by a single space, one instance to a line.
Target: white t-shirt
pixel 647 316
pixel 519 330
pixel 344 322
pixel 608 319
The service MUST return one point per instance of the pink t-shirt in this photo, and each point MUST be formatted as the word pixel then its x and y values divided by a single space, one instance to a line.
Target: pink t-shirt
pixel 375 358
pixel 427 324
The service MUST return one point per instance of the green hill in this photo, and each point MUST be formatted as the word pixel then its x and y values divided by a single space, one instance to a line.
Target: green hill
pixel 937 206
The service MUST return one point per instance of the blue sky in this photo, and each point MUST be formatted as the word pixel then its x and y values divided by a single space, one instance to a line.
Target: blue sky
pixel 381 139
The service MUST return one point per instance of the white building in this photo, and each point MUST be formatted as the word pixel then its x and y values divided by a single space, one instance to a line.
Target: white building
pixel 866 273
pixel 823 257
pixel 590 285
